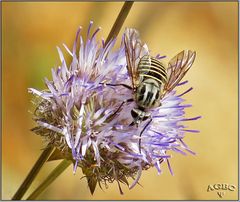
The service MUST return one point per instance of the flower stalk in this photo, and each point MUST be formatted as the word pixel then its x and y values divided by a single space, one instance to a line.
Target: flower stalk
pixel 120 20
pixel 50 178
pixel 33 173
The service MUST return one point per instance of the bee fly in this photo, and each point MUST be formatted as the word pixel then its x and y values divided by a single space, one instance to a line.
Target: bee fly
pixel 150 79
pixel 152 76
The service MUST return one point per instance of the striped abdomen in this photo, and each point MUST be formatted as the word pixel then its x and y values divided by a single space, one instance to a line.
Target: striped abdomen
pixel 152 75
pixel 150 67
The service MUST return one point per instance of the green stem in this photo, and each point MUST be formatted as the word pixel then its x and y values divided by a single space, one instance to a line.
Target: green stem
pixel 120 20
pixel 51 177
pixel 33 173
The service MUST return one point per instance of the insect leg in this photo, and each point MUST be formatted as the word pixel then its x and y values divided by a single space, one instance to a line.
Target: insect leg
pixel 118 109
pixel 140 140
pixel 120 106
pixel 121 84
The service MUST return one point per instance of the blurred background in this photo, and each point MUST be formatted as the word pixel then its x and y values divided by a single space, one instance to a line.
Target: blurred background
pixel 30 34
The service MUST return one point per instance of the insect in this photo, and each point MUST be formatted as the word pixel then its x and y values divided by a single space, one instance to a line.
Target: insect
pixel 151 80
pixel 151 75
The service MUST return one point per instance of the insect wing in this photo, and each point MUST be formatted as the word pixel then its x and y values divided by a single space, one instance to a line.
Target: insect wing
pixel 177 68
pixel 134 50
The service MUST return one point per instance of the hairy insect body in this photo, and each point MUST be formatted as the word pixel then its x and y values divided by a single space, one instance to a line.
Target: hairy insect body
pixel 152 76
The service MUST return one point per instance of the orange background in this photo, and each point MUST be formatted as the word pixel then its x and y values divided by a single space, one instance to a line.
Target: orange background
pixel 30 34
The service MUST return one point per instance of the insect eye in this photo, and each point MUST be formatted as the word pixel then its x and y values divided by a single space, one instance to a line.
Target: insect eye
pixel 134 114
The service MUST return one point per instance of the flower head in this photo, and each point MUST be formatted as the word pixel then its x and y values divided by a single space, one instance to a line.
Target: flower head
pixel 83 114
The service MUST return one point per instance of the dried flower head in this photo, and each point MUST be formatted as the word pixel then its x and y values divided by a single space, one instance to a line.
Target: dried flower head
pixel 82 114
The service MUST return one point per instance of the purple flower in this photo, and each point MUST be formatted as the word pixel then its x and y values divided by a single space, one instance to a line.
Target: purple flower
pixel 81 116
